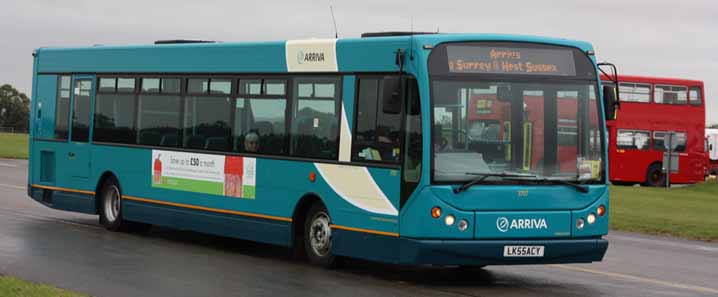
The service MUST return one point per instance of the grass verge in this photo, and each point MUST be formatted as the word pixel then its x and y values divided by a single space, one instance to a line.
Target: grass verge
pixel 10 286
pixel 688 212
pixel 13 146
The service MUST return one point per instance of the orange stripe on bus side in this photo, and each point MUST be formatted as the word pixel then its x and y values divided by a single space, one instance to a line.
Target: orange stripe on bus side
pixel 365 231
pixel 64 189
pixel 240 213
pixel 225 211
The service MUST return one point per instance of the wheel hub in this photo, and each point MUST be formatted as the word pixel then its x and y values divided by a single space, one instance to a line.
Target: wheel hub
pixel 112 203
pixel 320 234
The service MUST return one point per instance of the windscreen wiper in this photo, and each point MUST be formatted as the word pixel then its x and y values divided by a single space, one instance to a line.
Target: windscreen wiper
pixel 552 181
pixel 481 176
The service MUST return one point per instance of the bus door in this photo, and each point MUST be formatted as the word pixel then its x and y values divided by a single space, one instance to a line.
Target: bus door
pixel 77 156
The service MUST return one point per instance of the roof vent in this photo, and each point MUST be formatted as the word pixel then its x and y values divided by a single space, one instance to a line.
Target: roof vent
pixel 393 33
pixel 177 41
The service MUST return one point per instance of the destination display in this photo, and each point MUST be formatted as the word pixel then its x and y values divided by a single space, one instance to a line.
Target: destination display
pixel 510 60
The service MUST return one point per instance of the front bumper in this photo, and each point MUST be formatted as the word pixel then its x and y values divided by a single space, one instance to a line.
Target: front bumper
pixel 490 252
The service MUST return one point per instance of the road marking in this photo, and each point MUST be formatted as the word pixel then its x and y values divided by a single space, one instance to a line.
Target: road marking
pixel 665 243
pixel 640 279
pixel 8 165
pixel 13 187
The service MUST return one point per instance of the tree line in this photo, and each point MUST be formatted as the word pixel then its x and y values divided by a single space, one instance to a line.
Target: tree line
pixel 14 109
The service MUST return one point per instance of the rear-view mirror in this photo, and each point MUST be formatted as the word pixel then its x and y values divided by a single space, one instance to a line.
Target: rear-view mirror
pixel 610 102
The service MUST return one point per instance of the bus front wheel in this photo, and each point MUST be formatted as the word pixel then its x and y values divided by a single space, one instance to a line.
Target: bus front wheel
pixel 318 237
pixel 655 176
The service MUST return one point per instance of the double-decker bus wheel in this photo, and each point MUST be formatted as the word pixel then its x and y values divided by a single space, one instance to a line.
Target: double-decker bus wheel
pixel 655 176
pixel 318 237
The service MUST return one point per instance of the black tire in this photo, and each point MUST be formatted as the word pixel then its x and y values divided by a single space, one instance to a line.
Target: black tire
pixel 110 206
pixel 111 213
pixel 318 237
pixel 655 176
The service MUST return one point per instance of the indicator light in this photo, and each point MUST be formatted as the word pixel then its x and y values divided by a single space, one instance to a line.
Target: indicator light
pixel 601 210
pixel 312 176
pixel 436 212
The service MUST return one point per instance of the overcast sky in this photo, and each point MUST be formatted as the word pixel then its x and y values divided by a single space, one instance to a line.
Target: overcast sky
pixel 671 38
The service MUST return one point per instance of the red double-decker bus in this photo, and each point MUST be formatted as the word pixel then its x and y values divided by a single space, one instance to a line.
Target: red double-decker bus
pixel 650 108
pixel 489 128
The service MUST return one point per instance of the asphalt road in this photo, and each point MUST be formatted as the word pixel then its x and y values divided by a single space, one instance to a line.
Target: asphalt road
pixel 72 251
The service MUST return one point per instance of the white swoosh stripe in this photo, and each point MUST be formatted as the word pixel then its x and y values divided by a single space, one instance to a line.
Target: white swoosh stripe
pixel 356 186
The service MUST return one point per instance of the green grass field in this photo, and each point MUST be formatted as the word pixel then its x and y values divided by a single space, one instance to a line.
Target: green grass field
pixel 13 146
pixel 688 212
pixel 10 286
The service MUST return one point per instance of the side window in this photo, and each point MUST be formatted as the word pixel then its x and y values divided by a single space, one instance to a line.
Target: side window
pixel 670 94
pixel 159 105
pixel 315 117
pixel 81 110
pixel 115 111
pixel 377 131
pixel 635 92
pixel 632 140
pixel 208 114
pixel 695 96
pixel 260 117
pixel 413 145
pixel 62 109
pixel 660 138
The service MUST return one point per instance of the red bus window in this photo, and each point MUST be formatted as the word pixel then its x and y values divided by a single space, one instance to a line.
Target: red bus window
pixel 679 141
pixel 695 96
pixel 632 140
pixel 634 92
pixel 670 94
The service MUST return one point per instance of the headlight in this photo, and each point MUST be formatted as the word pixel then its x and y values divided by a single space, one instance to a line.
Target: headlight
pixel 591 218
pixel 580 223
pixel 463 225
pixel 449 220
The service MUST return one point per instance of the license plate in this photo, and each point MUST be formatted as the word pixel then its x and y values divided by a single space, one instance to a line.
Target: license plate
pixel 523 251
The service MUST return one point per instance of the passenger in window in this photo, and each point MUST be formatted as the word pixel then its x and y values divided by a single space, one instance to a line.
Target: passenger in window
pixel 251 142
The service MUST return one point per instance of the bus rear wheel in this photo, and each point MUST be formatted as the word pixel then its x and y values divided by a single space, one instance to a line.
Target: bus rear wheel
pixel 111 206
pixel 111 209
pixel 655 176
pixel 318 237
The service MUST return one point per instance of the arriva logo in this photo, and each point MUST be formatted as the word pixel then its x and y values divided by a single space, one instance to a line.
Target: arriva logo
pixel 504 225
pixel 303 57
